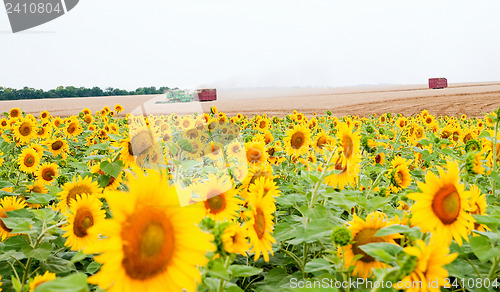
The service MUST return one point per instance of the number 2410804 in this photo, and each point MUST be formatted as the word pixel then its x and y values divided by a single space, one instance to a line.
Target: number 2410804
pixel 472 283
pixel 33 8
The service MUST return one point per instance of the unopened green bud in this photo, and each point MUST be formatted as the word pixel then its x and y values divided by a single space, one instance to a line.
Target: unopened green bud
pixel 341 235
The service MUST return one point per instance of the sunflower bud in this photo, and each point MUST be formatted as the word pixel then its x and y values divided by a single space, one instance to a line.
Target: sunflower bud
pixel 472 145
pixel 341 235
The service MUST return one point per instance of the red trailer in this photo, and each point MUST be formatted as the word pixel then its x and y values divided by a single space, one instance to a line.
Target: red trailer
pixel 435 83
pixel 206 95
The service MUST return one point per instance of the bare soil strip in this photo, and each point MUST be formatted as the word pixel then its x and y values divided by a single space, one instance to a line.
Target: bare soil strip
pixel 472 99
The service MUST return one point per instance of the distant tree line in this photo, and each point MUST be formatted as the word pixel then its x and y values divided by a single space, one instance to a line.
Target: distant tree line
pixel 71 91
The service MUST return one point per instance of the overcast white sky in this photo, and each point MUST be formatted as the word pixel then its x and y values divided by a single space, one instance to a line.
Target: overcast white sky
pixel 193 43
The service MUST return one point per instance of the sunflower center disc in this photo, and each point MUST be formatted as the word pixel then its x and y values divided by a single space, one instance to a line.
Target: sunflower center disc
pixel 83 221
pixel 253 155
pixel 216 204
pixel 57 145
pixel 297 140
pixel 321 142
pixel 47 174
pixel 260 224
pixel 25 129
pixel 446 204
pixel 348 146
pixel 148 243
pixel 365 236
pixel 29 161
pixel 399 176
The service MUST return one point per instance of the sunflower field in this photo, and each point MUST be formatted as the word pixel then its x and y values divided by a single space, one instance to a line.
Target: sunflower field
pixel 111 202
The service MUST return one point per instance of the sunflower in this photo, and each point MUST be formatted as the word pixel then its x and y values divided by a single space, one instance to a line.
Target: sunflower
pixel 234 239
pixel 73 128
pixel 77 187
pixel 37 187
pixel 363 232
pixel 350 143
pixel 379 158
pixel 126 153
pixel 142 140
pixel 255 172
pixel 57 146
pixel 427 261
pixel 348 173
pixel 214 150
pixel 477 203
pixel 28 160
pixel 24 130
pixel 151 243
pixel 255 152
pixel 322 140
pixel 260 225
pixel 38 280
pixel 297 140
pixel 38 148
pixel 4 123
pixel 219 198
pixel 57 122
pixel 8 204
pixel 264 186
pixel 44 115
pixel 235 150
pixel 88 119
pixel 261 124
pixel 401 176
pixel 118 108
pixel 113 183
pixel 85 212
pixel 47 173
pixel 15 112
pixel 442 205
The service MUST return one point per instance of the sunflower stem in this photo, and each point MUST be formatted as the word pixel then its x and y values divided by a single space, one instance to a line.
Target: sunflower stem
pixel 292 255
pixel 222 283
pixel 304 258
pixel 14 269
pixel 491 274
pixel 321 178
pixel 375 183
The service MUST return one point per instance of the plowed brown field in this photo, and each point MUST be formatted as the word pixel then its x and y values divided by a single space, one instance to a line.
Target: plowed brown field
pixel 472 99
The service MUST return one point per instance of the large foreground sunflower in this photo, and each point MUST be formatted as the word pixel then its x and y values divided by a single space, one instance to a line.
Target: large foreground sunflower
pixel 151 243
pixel 363 232
pixel 85 212
pixel 442 205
